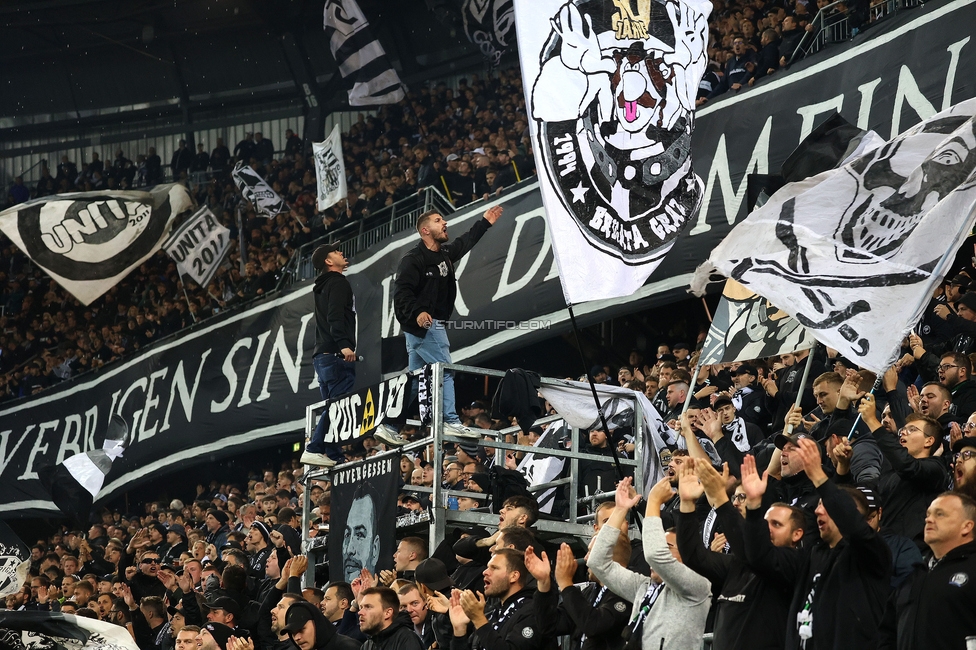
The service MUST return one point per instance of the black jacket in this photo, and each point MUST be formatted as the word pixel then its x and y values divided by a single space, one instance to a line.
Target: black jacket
pixel 908 488
pixel 852 579
pixel 935 608
pixel 335 314
pixel 349 626
pixel 426 282
pixel 519 627
pixel 750 607
pixel 964 398
pixel 398 636
pixel 518 394
pixel 593 612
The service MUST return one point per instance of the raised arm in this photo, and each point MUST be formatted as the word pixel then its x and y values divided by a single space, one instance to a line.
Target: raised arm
pixel 680 579
pixel 619 580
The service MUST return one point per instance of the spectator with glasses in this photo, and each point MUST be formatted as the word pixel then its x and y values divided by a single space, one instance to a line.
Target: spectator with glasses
pixel 144 582
pixel 913 475
pixel 964 461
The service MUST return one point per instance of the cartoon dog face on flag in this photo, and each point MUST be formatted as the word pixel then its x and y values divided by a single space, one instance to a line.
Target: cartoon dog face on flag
pixel 614 106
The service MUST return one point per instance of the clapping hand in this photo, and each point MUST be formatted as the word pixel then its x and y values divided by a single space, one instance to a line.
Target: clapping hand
pixel 689 489
pixel 713 483
pixel 626 497
pixel 752 484
pixel 538 567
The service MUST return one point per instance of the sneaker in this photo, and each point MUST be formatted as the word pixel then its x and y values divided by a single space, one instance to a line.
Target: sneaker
pixel 460 431
pixel 319 460
pixel 388 435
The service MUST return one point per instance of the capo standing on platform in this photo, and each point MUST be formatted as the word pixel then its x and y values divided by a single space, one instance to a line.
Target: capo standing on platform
pixel 424 298
pixel 335 346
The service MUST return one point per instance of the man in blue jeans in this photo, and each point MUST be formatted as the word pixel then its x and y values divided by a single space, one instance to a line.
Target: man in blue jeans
pixel 424 298
pixel 335 347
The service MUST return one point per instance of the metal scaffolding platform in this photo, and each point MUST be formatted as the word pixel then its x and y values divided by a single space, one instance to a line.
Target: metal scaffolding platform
pixel 440 518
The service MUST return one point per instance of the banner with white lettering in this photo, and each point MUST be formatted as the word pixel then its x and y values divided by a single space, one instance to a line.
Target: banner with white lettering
pixel 255 377
pixel 88 241
pixel 359 413
pixel 362 527
pixel 610 94
pixel 199 246
pixel 330 170
pixel 257 192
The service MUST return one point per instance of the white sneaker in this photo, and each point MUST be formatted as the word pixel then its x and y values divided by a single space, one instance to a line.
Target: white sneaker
pixel 319 460
pixel 460 431
pixel 388 435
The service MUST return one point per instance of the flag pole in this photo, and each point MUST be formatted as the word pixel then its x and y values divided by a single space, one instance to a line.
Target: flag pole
pixel 596 397
pixel 803 383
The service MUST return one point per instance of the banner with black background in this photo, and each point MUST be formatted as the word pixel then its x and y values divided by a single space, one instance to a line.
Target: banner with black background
pixel 363 520
pixel 245 380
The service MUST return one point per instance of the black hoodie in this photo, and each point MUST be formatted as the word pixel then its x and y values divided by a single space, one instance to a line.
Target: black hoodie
pixel 426 281
pixel 335 314
pixel 399 635
pixel 326 637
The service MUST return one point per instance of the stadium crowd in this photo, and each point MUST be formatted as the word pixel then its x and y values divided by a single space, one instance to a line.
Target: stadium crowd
pixel 844 522
pixel 468 144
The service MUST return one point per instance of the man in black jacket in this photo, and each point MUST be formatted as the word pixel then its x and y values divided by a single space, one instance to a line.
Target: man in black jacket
pixel 915 476
pixel 515 624
pixel 424 299
pixel 382 621
pixel 751 607
pixel 934 609
pixel 593 615
pixel 335 344
pixel 841 583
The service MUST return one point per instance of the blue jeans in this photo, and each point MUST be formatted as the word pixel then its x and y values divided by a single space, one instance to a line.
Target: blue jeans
pixel 336 378
pixel 434 348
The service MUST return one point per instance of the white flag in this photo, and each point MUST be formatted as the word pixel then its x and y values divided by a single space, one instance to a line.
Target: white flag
pixel 88 241
pixel 573 401
pixel 747 326
pixel 359 55
pixel 611 98
pixel 854 253
pixel 265 200
pixel 199 246
pixel 541 469
pixel 330 171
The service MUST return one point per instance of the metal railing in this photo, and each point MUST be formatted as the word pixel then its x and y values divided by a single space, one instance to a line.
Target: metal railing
pixel 439 515
pixel 356 237
pixel 835 23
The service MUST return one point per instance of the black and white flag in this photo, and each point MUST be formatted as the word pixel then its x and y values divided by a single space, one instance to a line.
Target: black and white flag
pixel 330 170
pixel 611 97
pixel 489 25
pixel 199 246
pixel 75 482
pixel 14 561
pixel 855 252
pixel 360 56
pixel 573 402
pixel 33 630
pixel 539 469
pixel 88 241
pixel 265 200
pixel 747 326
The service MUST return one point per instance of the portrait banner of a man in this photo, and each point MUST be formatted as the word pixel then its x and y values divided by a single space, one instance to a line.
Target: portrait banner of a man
pixel 854 253
pixel 362 526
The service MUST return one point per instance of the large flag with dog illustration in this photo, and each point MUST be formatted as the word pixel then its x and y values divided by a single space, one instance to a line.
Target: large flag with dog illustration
pixel 610 88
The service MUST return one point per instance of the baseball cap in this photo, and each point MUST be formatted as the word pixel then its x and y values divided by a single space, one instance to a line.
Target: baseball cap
pixel 680 346
pixel 178 529
pixel 227 604
pixel 452 156
pixel 432 574
pixel 409 496
pixel 746 369
pixel 298 615
pixel 782 439
pixel 960 280
pixel 597 370
pixel 320 253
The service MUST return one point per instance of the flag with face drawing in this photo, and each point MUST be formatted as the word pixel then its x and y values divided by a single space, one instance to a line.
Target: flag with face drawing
pixel 610 88
pixel 747 326
pixel 854 253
